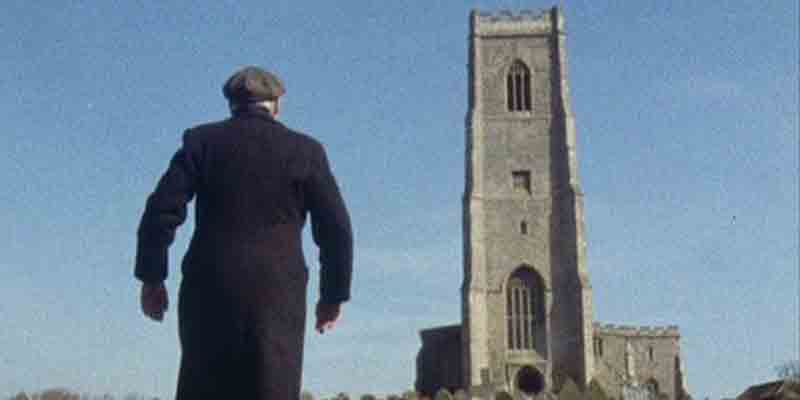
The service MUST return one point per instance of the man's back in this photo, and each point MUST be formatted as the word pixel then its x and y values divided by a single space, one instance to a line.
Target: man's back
pixel 258 181
pixel 252 166
pixel 242 302
pixel 254 181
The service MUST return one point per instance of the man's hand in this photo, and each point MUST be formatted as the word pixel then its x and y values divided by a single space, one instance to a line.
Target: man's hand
pixel 155 300
pixel 327 315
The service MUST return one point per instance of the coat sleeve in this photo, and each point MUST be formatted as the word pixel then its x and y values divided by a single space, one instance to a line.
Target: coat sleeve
pixel 331 230
pixel 165 210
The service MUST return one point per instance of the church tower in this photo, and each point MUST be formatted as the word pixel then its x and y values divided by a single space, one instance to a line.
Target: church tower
pixel 527 311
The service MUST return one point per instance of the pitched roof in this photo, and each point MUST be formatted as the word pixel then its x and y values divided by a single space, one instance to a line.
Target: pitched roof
pixel 775 390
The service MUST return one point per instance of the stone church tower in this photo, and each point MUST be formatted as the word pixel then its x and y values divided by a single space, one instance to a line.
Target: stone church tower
pixel 527 312
pixel 527 322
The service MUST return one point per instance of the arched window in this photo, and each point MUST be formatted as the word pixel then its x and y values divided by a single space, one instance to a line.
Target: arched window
pixel 518 87
pixel 525 310
pixel 598 347
pixel 652 386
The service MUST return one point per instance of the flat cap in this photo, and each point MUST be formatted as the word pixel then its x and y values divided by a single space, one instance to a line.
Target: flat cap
pixel 252 84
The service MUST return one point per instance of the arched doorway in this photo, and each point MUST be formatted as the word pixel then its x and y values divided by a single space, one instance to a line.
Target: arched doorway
pixel 530 381
pixel 651 385
pixel 502 395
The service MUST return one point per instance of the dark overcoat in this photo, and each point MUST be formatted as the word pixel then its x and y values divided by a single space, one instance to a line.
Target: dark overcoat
pixel 242 300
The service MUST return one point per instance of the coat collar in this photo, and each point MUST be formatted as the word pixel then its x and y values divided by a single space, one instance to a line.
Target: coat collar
pixel 252 110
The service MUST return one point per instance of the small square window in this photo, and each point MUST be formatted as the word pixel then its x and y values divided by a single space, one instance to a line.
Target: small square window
pixel 522 181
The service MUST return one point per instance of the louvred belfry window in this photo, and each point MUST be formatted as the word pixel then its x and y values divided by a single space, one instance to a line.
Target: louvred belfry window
pixel 518 87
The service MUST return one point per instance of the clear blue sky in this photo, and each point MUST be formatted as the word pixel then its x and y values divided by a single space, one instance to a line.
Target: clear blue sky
pixel 687 117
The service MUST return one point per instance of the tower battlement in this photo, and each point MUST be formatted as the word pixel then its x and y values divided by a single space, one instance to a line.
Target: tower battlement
pixel 511 15
pixel 636 331
pixel 514 23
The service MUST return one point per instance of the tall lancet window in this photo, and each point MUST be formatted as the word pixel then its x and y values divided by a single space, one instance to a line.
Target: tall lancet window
pixel 525 310
pixel 518 87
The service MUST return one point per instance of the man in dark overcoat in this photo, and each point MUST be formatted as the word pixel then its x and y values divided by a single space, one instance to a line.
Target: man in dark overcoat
pixel 242 300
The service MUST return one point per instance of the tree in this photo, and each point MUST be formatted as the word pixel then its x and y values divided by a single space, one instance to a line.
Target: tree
pixel 410 395
pixel 306 395
pixel 368 397
pixel 59 394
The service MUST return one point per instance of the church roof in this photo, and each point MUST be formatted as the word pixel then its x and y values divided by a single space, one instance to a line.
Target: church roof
pixel 777 390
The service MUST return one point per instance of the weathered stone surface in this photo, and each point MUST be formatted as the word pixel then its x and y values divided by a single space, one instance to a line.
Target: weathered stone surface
pixel 638 355
pixel 596 391
pixel 570 391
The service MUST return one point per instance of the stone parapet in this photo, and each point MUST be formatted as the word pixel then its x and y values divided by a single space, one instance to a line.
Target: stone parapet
pixel 440 331
pixel 524 22
pixel 636 331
